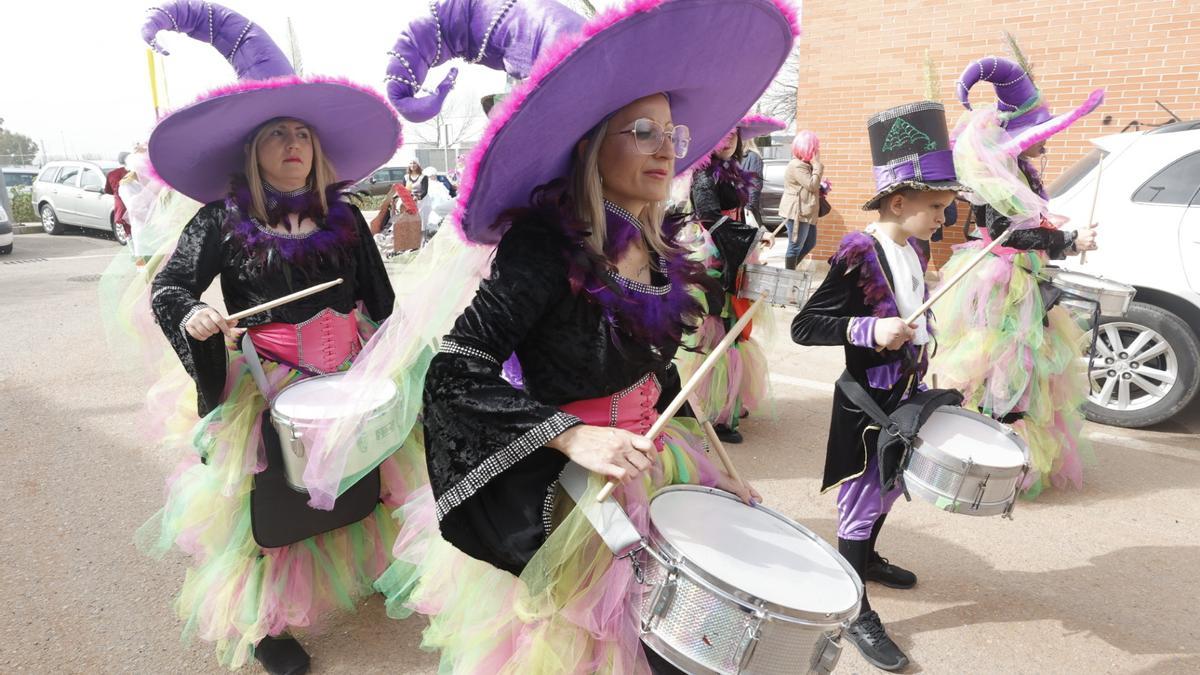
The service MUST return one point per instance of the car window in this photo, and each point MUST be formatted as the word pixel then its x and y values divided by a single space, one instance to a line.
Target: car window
pixel 18 179
pixel 1176 184
pixel 1073 175
pixel 69 176
pixel 380 176
pixel 395 175
pixel 48 174
pixel 92 178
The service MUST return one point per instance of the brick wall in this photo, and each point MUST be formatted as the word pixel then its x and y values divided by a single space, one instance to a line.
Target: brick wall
pixel 861 57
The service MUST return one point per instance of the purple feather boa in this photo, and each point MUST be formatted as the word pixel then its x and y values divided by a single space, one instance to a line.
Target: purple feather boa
pixel 332 244
pixel 858 250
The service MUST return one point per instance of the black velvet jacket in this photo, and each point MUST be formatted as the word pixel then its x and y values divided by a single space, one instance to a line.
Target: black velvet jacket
pixel 1056 243
pixel 207 249
pixel 856 291
pixel 492 477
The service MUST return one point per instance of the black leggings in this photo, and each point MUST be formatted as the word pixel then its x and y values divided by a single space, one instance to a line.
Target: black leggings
pixel 659 665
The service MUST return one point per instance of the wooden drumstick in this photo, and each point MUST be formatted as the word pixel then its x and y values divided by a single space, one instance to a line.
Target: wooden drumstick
pixel 715 441
pixel 693 382
pixel 1095 198
pixel 284 300
pixel 937 295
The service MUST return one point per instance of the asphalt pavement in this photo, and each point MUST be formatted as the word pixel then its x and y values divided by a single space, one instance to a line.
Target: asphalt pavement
pixel 1099 580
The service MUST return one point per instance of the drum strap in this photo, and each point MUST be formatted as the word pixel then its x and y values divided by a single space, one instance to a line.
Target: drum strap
pixel 607 517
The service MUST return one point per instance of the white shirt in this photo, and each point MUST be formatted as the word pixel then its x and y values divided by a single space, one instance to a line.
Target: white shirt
pixel 908 279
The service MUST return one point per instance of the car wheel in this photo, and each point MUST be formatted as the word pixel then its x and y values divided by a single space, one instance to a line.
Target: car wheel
pixel 50 221
pixel 1146 368
pixel 5 250
pixel 118 231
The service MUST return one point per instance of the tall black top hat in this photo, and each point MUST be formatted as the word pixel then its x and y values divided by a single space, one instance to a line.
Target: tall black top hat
pixel 910 149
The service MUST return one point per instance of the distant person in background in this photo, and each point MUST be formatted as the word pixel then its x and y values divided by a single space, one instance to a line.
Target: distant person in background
pixel 111 184
pixel 752 164
pixel 801 202
pixel 416 181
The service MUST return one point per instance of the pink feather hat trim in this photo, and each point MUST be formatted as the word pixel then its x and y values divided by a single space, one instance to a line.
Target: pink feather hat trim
pixel 587 76
pixel 1036 134
pixel 197 148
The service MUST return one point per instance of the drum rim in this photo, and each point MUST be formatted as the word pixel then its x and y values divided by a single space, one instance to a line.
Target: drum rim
pixel 1055 276
pixel 986 509
pixel 936 453
pixel 668 555
pixel 309 421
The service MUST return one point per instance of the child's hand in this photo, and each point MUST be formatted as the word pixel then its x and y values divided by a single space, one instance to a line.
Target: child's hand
pixel 892 333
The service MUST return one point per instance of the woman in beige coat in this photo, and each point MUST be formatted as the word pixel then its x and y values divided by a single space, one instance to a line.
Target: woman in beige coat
pixel 801 200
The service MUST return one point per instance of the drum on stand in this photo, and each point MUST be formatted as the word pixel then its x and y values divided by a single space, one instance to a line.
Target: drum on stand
pixel 1082 290
pixel 730 588
pixel 965 462
pixel 303 408
pixel 788 288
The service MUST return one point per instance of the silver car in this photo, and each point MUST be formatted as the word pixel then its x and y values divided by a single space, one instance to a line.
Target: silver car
pixel 71 192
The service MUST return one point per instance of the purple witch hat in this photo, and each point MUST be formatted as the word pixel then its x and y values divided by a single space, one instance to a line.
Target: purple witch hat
pixel 1023 111
pixel 753 126
pixel 595 68
pixel 500 34
pixel 198 148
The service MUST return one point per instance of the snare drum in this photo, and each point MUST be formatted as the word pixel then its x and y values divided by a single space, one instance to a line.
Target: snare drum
pixel 302 408
pixel 730 588
pixel 964 462
pixel 1114 297
pixel 781 286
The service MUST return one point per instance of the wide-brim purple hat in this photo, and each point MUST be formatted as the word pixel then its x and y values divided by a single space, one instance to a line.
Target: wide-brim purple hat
pixel 643 48
pixel 198 148
pixel 753 126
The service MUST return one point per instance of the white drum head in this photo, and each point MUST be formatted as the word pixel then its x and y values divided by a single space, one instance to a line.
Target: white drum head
pixel 329 397
pixel 966 435
pixel 754 551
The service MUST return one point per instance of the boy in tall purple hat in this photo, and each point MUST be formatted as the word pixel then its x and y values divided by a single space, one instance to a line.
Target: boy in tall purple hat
pixel 876 277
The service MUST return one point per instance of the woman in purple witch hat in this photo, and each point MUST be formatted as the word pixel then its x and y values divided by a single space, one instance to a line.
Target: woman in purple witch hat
pixel 270 158
pixel 590 290
pixel 723 194
pixel 1002 340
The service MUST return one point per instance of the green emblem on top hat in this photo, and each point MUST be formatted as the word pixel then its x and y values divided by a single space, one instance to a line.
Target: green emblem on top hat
pixel 902 133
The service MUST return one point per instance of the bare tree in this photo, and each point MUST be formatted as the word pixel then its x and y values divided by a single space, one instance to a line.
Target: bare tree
pixel 781 98
pixel 461 119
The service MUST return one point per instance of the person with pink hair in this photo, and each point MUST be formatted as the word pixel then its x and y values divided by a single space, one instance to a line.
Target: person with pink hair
pixel 801 202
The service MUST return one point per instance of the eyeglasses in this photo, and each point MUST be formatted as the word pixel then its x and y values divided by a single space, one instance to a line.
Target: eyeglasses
pixel 649 136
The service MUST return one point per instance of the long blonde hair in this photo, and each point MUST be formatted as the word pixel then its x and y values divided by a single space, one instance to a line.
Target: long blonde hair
pixel 320 177
pixel 587 193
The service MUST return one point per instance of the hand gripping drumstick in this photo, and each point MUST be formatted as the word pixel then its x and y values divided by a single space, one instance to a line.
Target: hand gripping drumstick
pixel 955 279
pixel 692 383
pixel 284 300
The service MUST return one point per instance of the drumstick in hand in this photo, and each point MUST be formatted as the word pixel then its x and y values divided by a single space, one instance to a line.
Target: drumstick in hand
pixel 693 382
pixel 715 441
pixel 284 300
pixel 1095 198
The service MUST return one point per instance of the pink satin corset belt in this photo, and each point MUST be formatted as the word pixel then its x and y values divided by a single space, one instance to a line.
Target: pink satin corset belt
pixel 321 344
pixel 631 409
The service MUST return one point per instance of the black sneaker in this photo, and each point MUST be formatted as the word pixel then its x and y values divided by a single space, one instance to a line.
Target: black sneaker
pixel 883 572
pixel 282 655
pixel 726 434
pixel 873 643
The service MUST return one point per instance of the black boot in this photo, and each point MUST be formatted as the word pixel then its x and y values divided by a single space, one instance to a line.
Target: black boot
pixel 282 655
pixel 791 261
pixel 883 572
pixel 726 434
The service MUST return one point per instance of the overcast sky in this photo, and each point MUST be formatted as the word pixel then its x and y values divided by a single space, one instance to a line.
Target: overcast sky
pixel 75 79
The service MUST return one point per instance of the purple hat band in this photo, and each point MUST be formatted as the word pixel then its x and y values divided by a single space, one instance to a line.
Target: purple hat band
pixel 931 167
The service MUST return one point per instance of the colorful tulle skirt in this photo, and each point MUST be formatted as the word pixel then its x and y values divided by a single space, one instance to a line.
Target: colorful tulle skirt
pixel 997 344
pixel 737 384
pixel 236 592
pixel 573 609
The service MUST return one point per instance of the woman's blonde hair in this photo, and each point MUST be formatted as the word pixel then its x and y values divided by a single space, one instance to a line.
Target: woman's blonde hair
pixel 320 177
pixel 587 195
